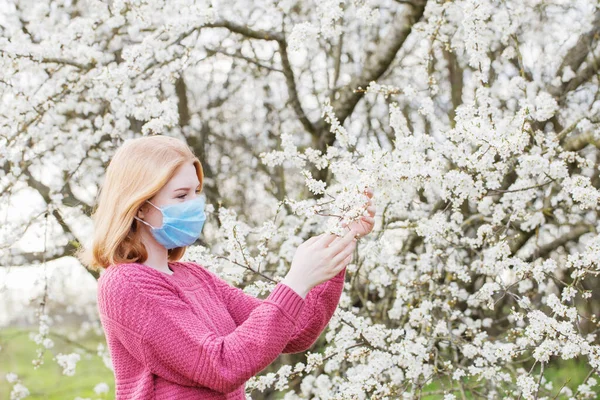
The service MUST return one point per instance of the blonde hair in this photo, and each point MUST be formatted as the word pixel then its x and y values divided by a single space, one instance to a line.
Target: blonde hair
pixel 137 171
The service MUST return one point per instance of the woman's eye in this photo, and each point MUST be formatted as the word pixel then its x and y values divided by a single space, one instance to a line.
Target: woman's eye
pixel 183 195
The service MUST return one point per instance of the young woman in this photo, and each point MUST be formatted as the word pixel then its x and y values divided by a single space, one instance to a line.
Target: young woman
pixel 174 329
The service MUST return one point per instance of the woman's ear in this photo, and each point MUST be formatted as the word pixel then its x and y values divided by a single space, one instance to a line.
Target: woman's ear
pixel 141 212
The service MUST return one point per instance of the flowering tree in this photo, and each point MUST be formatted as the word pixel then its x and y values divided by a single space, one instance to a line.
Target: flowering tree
pixel 474 121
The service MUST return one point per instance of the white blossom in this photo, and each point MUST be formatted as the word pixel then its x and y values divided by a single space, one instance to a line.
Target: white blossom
pixel 101 388
pixel 68 362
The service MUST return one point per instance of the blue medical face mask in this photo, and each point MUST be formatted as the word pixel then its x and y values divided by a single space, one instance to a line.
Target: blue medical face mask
pixel 182 223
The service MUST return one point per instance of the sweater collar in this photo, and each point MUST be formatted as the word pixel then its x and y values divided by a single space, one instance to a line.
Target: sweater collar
pixel 173 266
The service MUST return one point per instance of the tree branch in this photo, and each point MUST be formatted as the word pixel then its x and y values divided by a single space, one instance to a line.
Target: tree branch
pixel 242 57
pixel 575 58
pixel 182 104
pixel 380 61
pixel 455 74
pixel 291 86
pixel 578 53
pixel 573 235
pixel 287 68
pixel 244 30
pixel 375 66
pixel 580 141
pixel 582 77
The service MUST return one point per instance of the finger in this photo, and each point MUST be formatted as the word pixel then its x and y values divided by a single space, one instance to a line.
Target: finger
pixel 371 210
pixel 368 219
pixel 337 239
pixel 313 239
pixel 325 240
pixel 369 205
pixel 348 259
pixel 344 253
pixel 343 264
pixel 347 228
pixel 366 206
pixel 339 245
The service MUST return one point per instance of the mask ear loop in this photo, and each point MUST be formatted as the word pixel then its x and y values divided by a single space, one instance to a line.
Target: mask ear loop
pixel 141 220
pixel 153 205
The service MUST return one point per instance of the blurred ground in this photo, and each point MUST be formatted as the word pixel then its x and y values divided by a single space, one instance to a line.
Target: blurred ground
pixel 48 382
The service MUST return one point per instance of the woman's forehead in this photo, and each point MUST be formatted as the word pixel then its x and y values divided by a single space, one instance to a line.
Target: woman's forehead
pixel 184 177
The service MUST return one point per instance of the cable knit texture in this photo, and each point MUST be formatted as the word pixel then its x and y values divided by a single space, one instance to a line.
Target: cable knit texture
pixel 191 335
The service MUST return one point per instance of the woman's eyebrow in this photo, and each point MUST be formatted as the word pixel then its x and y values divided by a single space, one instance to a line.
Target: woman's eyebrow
pixel 186 188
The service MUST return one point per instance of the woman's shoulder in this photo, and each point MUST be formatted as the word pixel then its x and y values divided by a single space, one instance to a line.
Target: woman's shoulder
pixel 122 272
pixel 202 272
pixel 194 267
pixel 127 277
pixel 124 287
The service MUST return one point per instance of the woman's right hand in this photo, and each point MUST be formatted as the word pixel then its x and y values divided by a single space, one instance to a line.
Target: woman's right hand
pixel 319 259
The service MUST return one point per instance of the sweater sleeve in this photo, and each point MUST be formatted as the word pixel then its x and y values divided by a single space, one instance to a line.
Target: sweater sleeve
pixel 316 313
pixel 164 333
pixel 320 304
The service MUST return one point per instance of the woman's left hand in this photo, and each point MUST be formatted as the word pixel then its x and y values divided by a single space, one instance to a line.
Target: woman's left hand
pixel 365 224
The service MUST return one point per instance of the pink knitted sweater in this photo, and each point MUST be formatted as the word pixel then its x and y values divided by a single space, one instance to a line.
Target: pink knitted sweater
pixel 191 335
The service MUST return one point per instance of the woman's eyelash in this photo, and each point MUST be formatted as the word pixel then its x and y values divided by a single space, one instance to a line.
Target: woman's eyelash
pixel 197 191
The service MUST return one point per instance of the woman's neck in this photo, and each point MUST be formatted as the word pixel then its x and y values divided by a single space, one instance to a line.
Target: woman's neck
pixel 158 256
